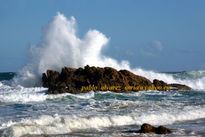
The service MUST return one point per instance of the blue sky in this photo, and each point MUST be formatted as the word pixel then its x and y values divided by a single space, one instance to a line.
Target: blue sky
pixel 155 35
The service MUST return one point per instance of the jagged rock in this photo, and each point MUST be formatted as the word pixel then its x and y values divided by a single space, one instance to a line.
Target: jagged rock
pixel 158 83
pixel 50 79
pixel 72 80
pixel 147 128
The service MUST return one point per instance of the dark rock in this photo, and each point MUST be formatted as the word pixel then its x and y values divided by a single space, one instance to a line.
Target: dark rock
pixel 147 128
pixel 51 79
pixel 72 80
pixel 80 80
pixel 45 80
pixel 158 83
pixel 163 130
pixel 178 87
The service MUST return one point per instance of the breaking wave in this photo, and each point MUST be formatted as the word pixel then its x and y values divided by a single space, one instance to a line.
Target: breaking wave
pixel 60 46
pixel 65 124
pixel 22 94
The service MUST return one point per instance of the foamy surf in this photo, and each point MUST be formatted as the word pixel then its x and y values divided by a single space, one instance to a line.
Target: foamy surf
pixel 97 111
pixel 65 124
pixel 36 94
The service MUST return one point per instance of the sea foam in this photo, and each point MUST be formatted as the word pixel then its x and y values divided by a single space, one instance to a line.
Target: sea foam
pixel 65 124
pixel 22 94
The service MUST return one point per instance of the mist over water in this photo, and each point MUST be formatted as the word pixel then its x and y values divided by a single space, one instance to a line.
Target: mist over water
pixel 60 46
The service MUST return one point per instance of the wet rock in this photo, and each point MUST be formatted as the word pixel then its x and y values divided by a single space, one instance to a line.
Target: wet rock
pixel 50 79
pixel 159 84
pixel 80 80
pixel 147 128
pixel 162 130
pixel 72 80
pixel 178 87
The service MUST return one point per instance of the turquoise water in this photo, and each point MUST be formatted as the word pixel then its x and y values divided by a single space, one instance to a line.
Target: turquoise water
pixel 29 111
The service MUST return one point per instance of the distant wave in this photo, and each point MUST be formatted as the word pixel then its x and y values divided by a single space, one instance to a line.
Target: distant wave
pixel 6 75
pixel 60 46
pixel 189 75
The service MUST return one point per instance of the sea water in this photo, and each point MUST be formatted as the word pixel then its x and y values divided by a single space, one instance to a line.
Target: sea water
pixel 26 109
pixel 31 112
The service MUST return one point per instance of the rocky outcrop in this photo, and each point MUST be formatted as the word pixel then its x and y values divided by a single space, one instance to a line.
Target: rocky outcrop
pixel 75 81
pixel 159 83
pixel 80 80
pixel 173 86
pixel 147 128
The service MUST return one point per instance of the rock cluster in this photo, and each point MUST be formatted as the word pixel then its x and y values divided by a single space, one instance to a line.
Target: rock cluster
pixel 147 128
pixel 72 80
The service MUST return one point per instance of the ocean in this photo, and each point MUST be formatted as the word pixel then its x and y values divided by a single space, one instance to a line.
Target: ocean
pixel 29 111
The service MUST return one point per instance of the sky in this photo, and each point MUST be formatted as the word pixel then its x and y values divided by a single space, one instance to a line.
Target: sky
pixel 154 35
